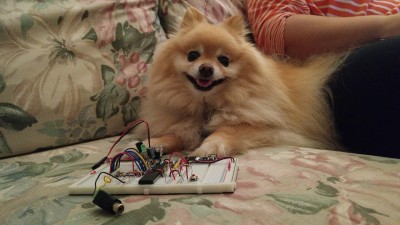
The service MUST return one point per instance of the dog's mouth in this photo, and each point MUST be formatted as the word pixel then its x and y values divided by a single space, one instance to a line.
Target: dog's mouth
pixel 204 84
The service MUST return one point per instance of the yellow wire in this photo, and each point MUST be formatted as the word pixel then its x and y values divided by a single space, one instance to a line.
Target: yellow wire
pixel 177 165
pixel 144 161
pixel 106 180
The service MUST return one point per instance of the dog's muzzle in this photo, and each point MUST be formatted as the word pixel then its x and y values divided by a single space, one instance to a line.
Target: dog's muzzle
pixel 204 81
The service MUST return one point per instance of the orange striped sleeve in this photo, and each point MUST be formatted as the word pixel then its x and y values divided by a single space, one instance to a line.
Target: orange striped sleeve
pixel 383 7
pixel 267 17
pixel 361 7
pixel 267 21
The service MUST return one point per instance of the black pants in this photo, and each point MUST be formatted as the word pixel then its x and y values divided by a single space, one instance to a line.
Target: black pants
pixel 366 99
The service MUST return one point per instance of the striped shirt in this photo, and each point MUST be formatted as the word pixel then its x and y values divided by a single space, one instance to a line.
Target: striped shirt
pixel 267 17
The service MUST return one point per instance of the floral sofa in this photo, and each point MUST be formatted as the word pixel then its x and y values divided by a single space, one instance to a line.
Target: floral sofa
pixel 72 73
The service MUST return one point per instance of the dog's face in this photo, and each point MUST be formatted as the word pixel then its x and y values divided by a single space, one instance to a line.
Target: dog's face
pixel 206 56
pixel 205 72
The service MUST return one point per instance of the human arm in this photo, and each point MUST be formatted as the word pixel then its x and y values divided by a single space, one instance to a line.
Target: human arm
pixel 307 35
pixel 287 28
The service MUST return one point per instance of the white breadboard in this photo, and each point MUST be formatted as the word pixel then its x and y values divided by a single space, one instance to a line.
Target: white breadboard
pixel 218 177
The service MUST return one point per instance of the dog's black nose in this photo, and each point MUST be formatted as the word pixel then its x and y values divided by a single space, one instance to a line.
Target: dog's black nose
pixel 206 70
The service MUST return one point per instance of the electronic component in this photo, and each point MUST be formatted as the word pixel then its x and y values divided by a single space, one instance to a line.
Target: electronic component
pixel 140 147
pixel 153 174
pixel 108 202
pixel 212 177
pixel 99 163
pixel 194 177
pixel 138 168
pixel 128 128
pixel 155 152
pixel 211 157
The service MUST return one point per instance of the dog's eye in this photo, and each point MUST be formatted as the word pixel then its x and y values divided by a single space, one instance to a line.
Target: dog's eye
pixel 193 55
pixel 223 60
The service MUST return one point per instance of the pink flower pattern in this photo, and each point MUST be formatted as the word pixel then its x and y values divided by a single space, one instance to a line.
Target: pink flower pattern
pixel 138 12
pixel 132 70
pixel 105 26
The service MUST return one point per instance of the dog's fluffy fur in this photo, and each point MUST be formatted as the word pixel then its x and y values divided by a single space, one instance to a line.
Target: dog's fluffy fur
pixel 212 92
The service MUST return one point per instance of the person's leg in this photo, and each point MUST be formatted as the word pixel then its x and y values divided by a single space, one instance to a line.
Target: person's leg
pixel 366 99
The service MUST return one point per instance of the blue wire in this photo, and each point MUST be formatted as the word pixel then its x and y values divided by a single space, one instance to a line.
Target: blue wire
pixel 138 159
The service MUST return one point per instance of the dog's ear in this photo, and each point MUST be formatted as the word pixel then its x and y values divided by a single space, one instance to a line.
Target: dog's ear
pixel 192 17
pixel 235 24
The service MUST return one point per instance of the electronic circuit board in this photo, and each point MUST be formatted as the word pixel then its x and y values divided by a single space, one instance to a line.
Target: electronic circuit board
pixel 196 178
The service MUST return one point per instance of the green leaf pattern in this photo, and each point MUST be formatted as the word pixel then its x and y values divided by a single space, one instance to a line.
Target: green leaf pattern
pixel 41 182
pixel 19 177
pixel 112 96
pixel 105 50
pixel 12 118
pixel 367 213
pixel 303 204
pixel 326 190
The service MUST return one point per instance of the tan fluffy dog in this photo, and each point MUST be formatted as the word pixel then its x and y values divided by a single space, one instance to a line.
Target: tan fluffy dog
pixel 211 91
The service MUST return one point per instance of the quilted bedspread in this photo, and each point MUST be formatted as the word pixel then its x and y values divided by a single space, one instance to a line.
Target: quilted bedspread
pixel 281 185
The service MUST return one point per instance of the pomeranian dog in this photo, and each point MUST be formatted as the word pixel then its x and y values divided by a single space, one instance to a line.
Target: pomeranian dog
pixel 211 91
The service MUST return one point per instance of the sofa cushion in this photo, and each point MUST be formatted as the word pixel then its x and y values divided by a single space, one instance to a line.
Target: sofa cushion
pixel 72 71
pixel 281 185
pixel 172 11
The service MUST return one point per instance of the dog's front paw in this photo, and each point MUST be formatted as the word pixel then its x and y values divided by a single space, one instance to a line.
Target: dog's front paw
pixel 214 146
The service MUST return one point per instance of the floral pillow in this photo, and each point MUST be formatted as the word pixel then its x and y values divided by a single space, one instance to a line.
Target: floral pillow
pixel 72 70
pixel 216 11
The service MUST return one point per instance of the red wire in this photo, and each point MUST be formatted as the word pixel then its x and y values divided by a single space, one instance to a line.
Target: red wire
pixel 172 173
pixel 179 155
pixel 128 128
